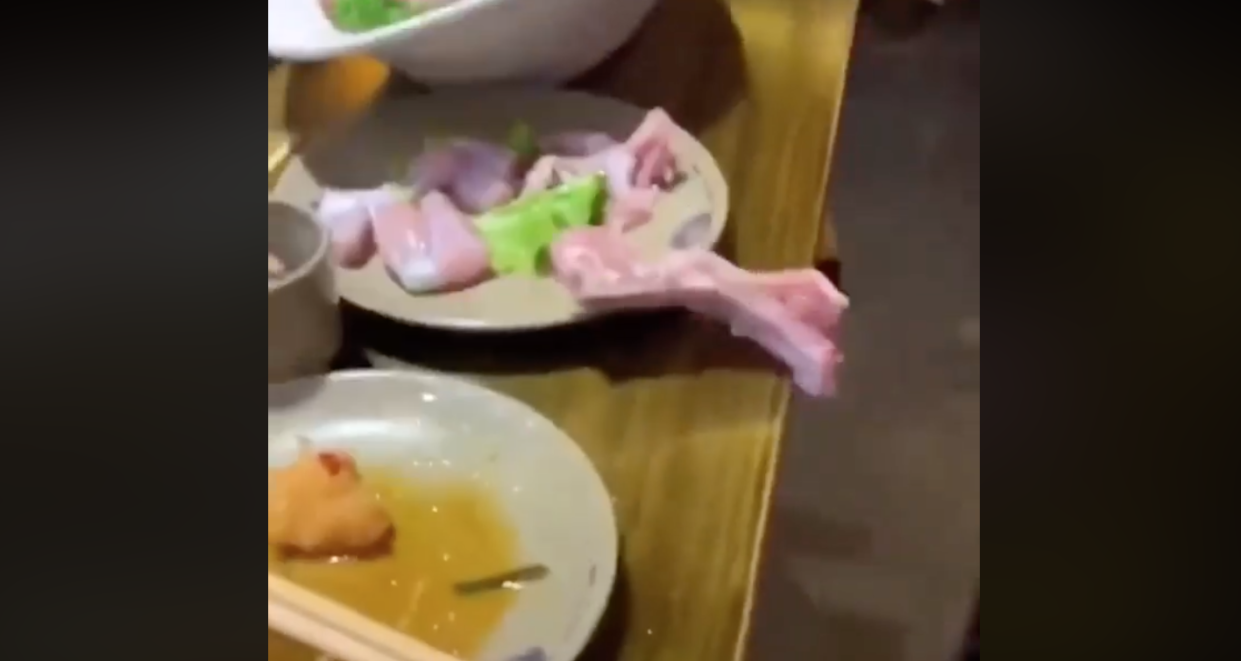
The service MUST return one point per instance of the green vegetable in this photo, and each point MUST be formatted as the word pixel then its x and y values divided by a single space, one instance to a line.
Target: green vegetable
pixel 522 140
pixel 366 15
pixel 519 234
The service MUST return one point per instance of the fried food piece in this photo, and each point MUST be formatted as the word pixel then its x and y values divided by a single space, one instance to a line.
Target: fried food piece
pixel 318 507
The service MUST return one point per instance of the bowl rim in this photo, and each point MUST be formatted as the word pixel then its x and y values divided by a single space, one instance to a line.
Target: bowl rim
pixel 353 42
pixel 317 258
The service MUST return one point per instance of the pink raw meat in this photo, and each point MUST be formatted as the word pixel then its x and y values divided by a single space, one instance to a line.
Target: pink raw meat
pixel 628 207
pixel 576 143
pixel 541 176
pixel 346 214
pixel 636 169
pixel 476 175
pixel 644 160
pixel 631 210
pixel 616 163
pixel 651 145
pixel 430 246
pixel 791 314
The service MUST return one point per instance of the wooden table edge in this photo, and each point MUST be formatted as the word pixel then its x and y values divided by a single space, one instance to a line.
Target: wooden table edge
pixel 825 248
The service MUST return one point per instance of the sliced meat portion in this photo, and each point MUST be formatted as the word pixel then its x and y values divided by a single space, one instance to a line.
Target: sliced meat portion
pixel 616 163
pixel 644 160
pixel 576 143
pixel 651 146
pixel 477 175
pixel 430 245
pixel 792 314
pixel 635 169
pixel 545 174
pixel 632 210
pixel 346 214
pixel 628 207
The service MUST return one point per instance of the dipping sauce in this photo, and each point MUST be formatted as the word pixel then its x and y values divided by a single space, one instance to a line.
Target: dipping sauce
pixel 445 533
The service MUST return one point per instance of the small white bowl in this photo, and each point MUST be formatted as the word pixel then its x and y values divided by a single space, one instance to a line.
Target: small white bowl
pixel 303 317
pixel 469 41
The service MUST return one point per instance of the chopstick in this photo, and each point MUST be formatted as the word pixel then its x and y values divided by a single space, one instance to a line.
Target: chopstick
pixel 339 631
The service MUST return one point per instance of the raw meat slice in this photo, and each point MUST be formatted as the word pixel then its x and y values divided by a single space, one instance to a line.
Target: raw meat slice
pixel 616 164
pixel 430 245
pixel 636 169
pixel 644 160
pixel 477 175
pixel 632 206
pixel 541 176
pixel 576 143
pixel 651 146
pixel 792 314
pixel 346 215
pixel 632 210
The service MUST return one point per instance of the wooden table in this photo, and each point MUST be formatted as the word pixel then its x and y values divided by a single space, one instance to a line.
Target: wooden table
pixel 683 422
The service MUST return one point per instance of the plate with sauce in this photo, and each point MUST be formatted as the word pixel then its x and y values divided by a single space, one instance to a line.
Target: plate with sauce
pixel 440 508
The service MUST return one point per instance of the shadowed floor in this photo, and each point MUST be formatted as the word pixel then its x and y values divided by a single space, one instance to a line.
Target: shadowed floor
pixel 874 551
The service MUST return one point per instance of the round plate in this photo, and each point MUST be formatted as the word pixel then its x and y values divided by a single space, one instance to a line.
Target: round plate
pixel 440 427
pixel 367 153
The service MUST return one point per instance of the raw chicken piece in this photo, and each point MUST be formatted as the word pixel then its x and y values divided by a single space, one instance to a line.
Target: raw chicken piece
pixel 631 210
pixel 644 160
pixel 430 246
pixel 476 175
pixel 346 214
pixel 543 175
pixel 633 206
pixel 317 507
pixel 576 143
pixel 549 171
pixel 636 169
pixel 791 314
pixel 651 145
pixel 617 164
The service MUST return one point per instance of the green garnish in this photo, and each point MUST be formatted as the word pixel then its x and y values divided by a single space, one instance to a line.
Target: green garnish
pixel 366 15
pixel 519 234
pixel 522 140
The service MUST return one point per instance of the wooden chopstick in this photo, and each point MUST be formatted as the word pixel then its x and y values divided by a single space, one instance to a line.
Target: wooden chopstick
pixel 339 631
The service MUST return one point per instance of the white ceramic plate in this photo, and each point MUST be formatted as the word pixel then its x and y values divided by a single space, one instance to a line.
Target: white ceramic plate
pixel 367 153
pixel 441 427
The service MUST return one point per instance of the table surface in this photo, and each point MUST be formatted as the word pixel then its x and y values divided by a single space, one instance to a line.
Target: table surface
pixel 682 421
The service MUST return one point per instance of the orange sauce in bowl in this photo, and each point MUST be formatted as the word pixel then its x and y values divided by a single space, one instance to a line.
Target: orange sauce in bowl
pixel 446 533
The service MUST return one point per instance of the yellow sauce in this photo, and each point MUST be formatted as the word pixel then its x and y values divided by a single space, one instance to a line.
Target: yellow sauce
pixel 445 534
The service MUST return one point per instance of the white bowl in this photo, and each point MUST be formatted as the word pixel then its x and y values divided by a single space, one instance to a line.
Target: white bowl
pixel 303 320
pixel 434 427
pixel 470 41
